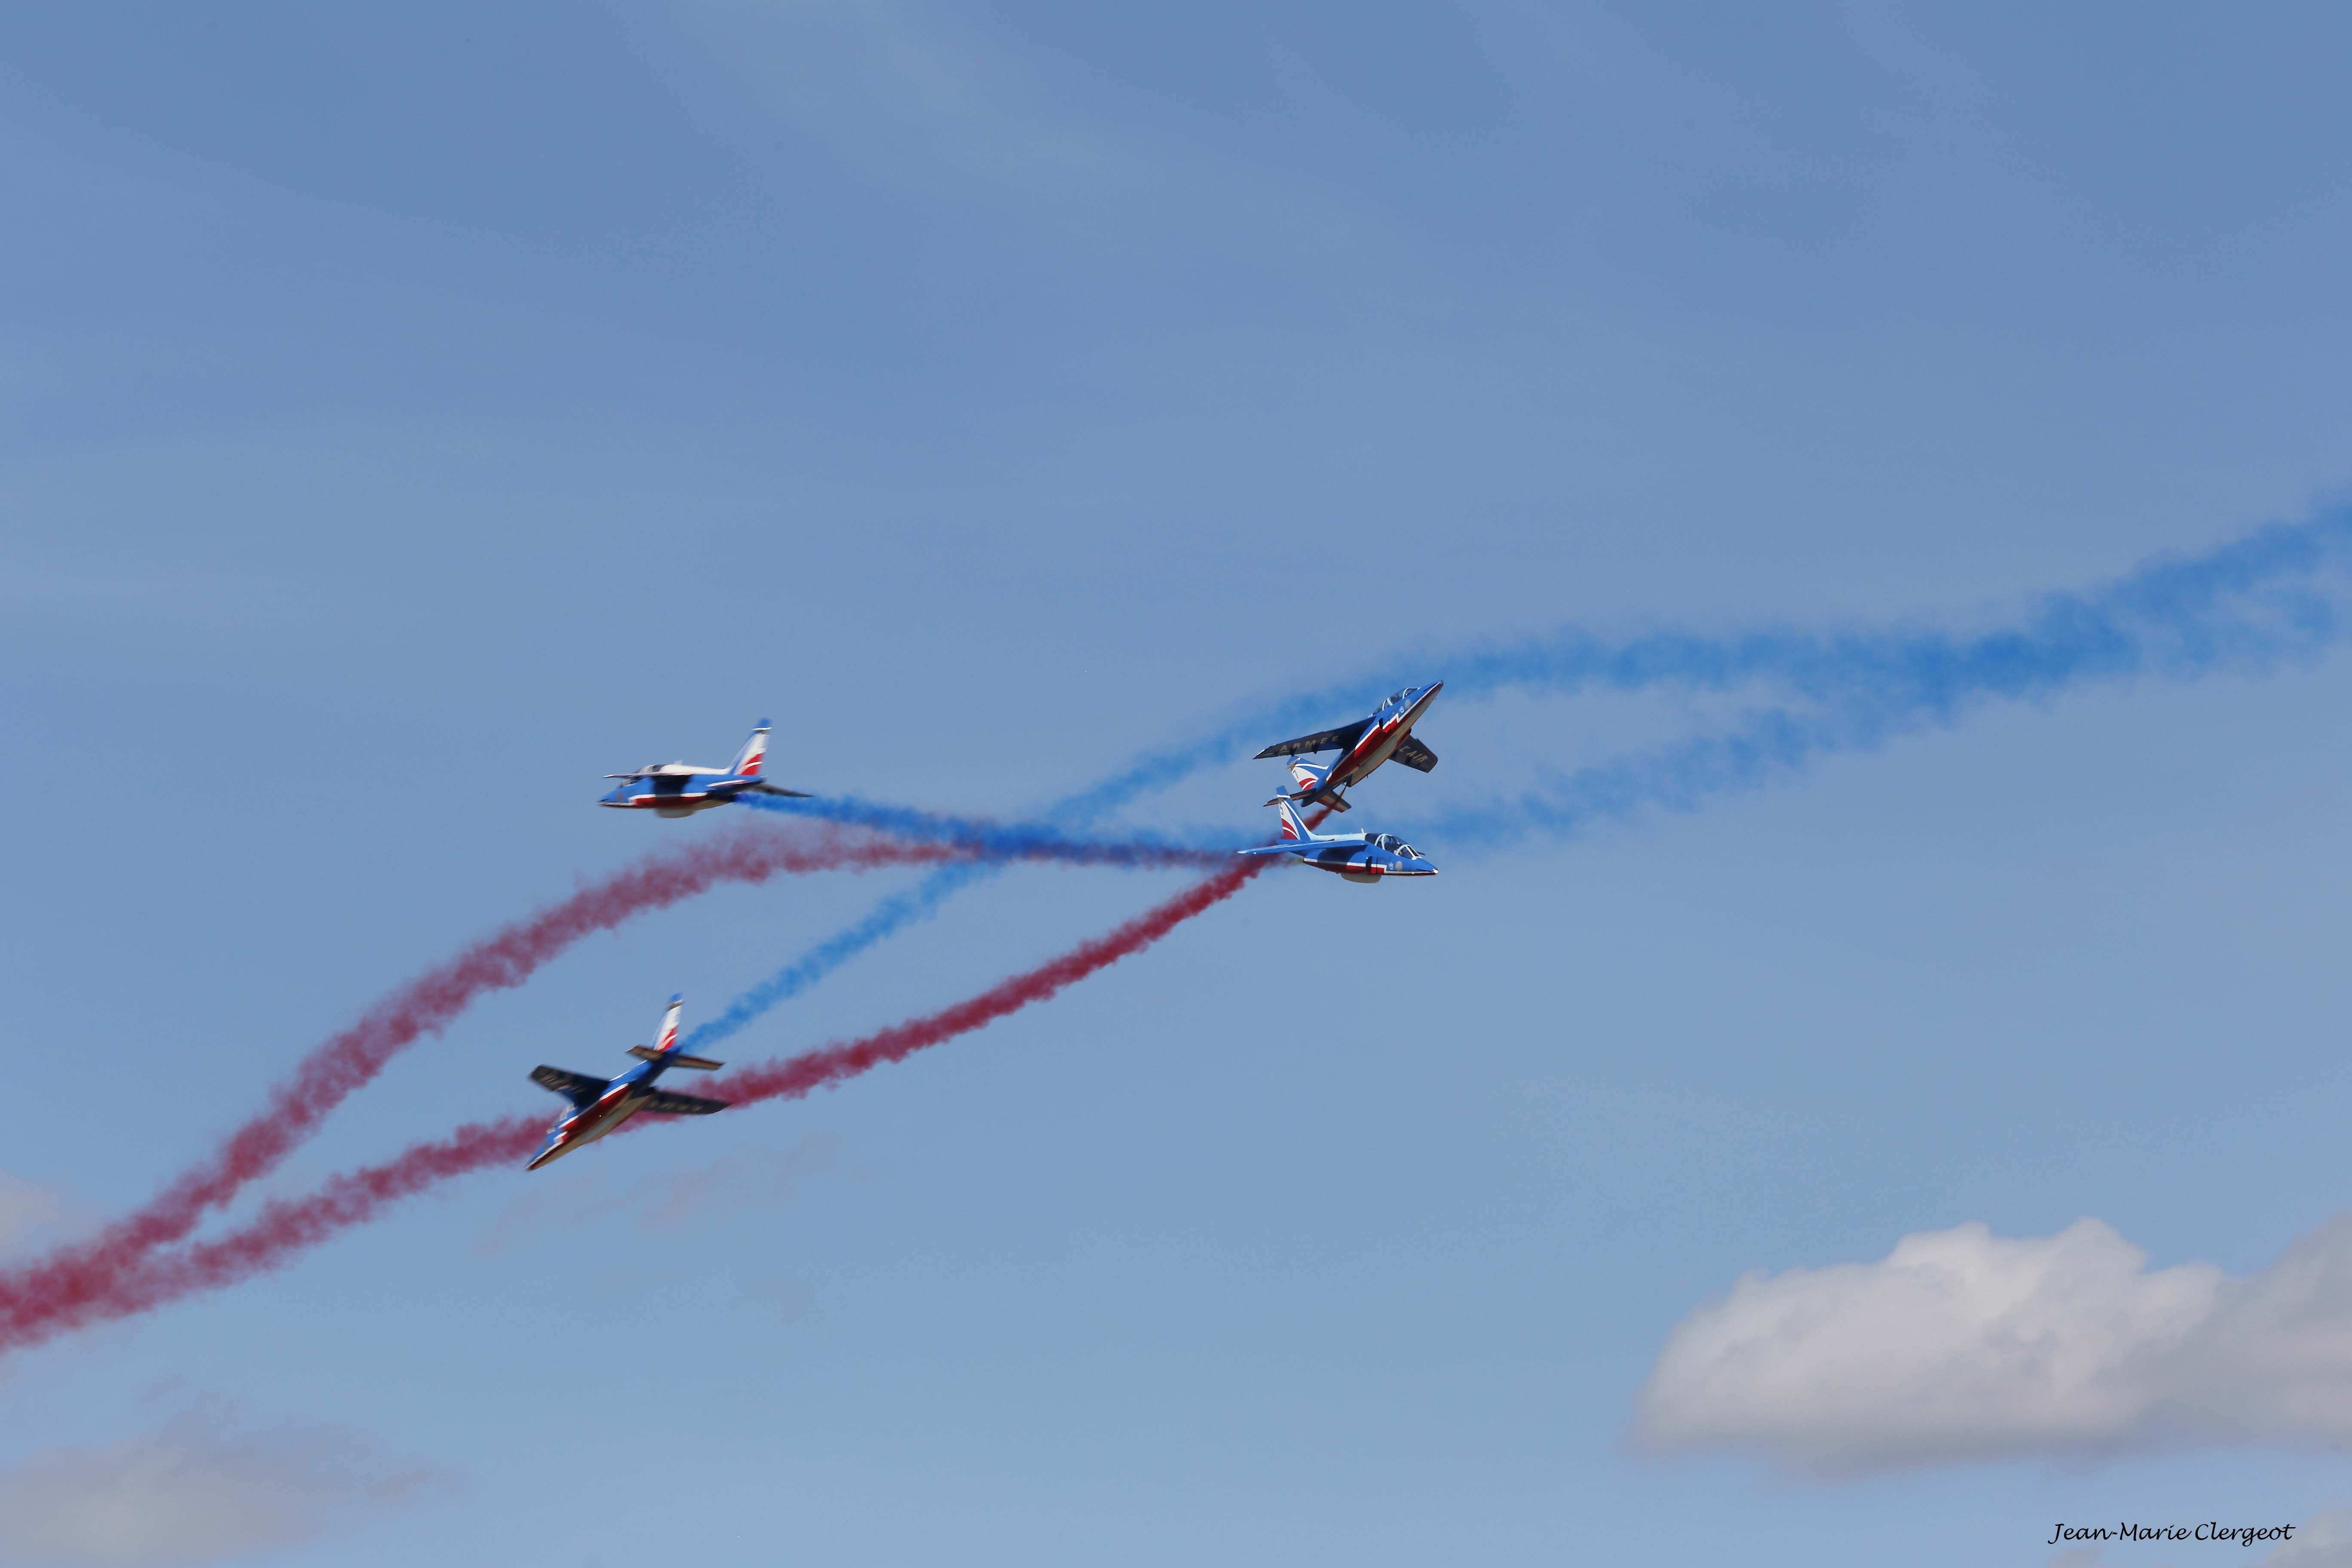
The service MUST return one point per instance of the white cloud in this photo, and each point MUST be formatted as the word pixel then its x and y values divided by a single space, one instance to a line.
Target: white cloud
pixel 1964 1345
pixel 199 1488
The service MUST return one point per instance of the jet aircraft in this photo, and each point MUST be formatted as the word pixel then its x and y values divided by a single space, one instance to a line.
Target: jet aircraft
pixel 1358 856
pixel 1362 746
pixel 599 1105
pixel 676 789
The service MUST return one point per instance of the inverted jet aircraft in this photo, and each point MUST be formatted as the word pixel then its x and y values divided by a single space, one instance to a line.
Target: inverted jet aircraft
pixel 677 789
pixel 1358 856
pixel 1362 746
pixel 599 1104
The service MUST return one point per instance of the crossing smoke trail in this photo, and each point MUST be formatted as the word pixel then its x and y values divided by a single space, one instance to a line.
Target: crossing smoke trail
pixel 2247 604
pixel 2274 593
pixel 2257 599
pixel 894 913
pixel 988 840
pixel 350 1060
pixel 2270 593
pixel 1679 778
pixel 891 914
pixel 797 1076
pixel 288 1227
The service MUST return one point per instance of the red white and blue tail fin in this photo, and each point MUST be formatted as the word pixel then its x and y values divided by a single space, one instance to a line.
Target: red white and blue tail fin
pixel 1294 830
pixel 665 1046
pixel 755 753
pixel 1309 777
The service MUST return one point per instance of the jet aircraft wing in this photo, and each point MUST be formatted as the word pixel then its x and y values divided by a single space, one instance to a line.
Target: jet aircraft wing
pixel 668 1104
pixel 773 789
pixel 1414 754
pixel 1338 740
pixel 576 1086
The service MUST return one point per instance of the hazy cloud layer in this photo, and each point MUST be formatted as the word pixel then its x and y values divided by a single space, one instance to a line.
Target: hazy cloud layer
pixel 2324 1541
pixel 200 1489
pixel 29 1213
pixel 899 87
pixel 746 1181
pixel 919 98
pixel 1964 1345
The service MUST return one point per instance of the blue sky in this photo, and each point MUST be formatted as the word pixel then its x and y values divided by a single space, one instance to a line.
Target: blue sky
pixel 413 415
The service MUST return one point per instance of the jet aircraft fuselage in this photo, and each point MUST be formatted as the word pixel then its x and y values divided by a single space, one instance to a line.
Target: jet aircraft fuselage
pixel 1362 746
pixel 681 789
pixel 1368 858
pixel 599 1105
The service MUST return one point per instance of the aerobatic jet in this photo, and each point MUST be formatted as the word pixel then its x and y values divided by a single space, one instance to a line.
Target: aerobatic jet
pixel 1362 746
pixel 1358 856
pixel 599 1104
pixel 677 789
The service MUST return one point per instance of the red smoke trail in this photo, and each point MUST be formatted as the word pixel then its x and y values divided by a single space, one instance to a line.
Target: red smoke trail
pixel 425 1005
pixel 796 1076
pixel 67 1300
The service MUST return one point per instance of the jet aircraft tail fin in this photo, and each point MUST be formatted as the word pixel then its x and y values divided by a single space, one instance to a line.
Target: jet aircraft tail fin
pixel 1309 777
pixel 755 753
pixel 665 1046
pixel 1294 831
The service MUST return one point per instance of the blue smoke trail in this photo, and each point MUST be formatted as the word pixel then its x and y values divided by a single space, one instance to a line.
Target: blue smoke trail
pixel 997 841
pixel 2247 604
pixel 892 914
pixel 1681 778
pixel 1155 771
